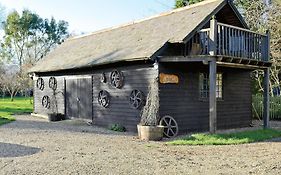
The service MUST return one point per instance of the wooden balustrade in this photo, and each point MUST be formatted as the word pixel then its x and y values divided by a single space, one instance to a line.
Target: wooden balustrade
pixel 226 40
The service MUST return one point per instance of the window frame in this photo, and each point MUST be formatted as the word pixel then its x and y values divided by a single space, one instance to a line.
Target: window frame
pixel 204 89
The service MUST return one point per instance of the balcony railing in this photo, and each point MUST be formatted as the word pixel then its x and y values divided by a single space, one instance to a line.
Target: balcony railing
pixel 226 40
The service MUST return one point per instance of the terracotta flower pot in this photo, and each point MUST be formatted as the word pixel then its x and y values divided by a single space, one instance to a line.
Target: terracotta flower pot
pixel 147 133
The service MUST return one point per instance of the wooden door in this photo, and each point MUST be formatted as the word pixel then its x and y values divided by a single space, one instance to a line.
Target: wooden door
pixel 85 98
pixel 71 98
pixel 79 98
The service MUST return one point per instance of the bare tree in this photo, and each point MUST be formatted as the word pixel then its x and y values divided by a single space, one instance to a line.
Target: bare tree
pixel 10 82
pixel 262 17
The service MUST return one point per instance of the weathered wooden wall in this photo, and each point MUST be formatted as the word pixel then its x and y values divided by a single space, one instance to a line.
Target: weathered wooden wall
pixel 119 111
pixel 57 98
pixel 182 101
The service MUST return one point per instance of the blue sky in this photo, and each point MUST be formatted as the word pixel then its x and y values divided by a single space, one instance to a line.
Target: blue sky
pixel 91 15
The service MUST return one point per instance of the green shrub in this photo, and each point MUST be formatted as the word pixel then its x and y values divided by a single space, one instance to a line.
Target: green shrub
pixel 117 127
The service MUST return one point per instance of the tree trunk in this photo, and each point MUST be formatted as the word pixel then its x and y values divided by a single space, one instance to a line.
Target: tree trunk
pixel 12 96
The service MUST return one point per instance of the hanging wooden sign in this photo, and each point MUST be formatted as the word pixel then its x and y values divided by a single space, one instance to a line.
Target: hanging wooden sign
pixel 168 78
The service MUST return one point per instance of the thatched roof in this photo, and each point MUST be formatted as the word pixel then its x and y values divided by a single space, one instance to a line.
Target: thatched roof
pixel 139 40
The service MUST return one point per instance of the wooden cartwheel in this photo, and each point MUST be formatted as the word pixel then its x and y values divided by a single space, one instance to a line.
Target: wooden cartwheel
pixel 170 126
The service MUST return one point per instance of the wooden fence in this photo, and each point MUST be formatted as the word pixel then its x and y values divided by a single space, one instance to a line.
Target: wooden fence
pixel 274 109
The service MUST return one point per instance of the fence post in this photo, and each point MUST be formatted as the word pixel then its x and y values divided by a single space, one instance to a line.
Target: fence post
pixel 213 36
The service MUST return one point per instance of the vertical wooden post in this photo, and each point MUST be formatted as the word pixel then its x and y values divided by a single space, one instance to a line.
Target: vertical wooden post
pixel 267 46
pixel 266 98
pixel 266 83
pixel 213 36
pixel 212 96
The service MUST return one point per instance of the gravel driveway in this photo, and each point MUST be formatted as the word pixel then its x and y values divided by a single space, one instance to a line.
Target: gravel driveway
pixel 34 146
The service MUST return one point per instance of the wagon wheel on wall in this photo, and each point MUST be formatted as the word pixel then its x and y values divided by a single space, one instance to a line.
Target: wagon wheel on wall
pixel 46 102
pixel 40 84
pixel 103 98
pixel 170 126
pixel 116 79
pixel 103 78
pixel 53 83
pixel 136 99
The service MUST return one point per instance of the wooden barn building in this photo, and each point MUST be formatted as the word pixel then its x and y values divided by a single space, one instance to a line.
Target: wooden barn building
pixel 200 56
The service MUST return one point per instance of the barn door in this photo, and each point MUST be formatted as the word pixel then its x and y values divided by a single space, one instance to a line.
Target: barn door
pixel 85 98
pixel 79 98
pixel 71 98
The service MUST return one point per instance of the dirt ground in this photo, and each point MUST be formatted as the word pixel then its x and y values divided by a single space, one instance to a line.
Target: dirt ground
pixel 34 146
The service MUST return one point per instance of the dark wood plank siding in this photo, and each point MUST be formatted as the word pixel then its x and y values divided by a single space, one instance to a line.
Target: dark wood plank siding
pixel 58 98
pixel 119 110
pixel 227 15
pixel 235 110
pixel 182 101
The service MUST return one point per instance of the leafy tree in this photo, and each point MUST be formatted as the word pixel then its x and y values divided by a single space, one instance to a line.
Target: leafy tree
pixel 28 37
pixel 182 3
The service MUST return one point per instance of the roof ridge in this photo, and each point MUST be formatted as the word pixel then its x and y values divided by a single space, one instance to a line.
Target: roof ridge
pixel 144 19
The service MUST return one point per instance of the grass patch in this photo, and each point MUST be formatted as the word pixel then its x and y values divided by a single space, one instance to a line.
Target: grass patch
pixel 228 139
pixel 8 108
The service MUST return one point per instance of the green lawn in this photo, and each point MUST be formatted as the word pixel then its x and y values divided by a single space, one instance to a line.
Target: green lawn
pixel 228 139
pixel 18 106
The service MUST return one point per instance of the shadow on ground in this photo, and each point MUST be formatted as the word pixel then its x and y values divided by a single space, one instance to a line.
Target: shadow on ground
pixel 14 150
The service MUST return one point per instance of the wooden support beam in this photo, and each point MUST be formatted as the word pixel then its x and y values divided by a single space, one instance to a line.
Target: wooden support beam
pixel 239 60
pixel 248 61
pixel 220 59
pixel 243 66
pixel 213 36
pixel 266 85
pixel 267 46
pixel 186 59
pixel 261 63
pixel 212 97
pixel 230 60
pixel 266 98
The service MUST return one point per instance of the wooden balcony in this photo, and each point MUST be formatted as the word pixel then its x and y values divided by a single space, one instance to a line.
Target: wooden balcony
pixel 230 42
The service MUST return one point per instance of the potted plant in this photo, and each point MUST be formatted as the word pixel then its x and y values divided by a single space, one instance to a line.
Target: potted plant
pixel 148 128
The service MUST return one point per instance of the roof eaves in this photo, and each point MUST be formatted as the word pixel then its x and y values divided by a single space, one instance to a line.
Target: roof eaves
pixel 89 66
